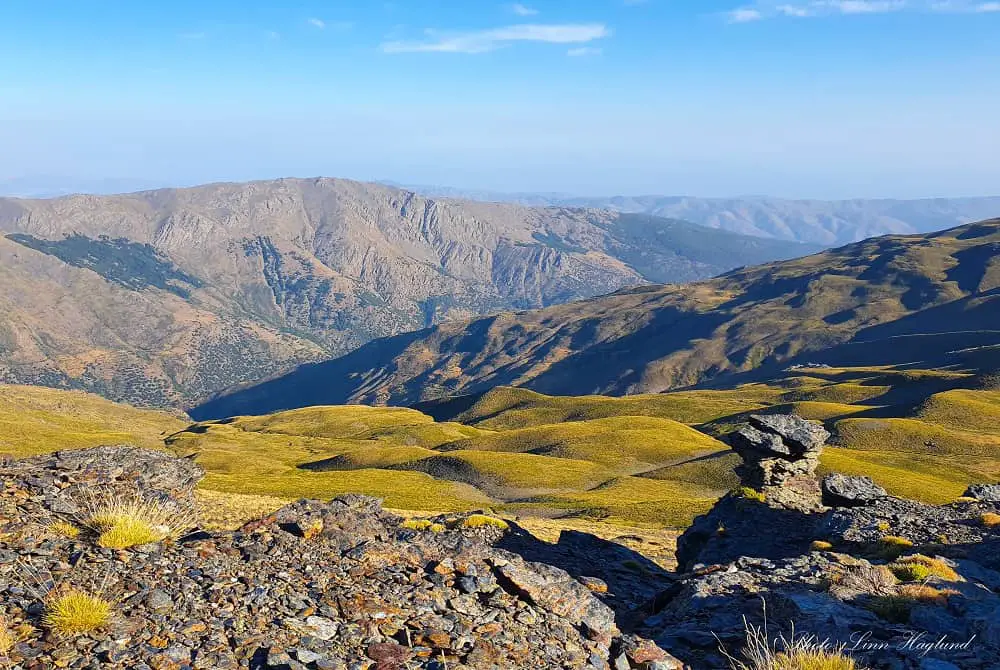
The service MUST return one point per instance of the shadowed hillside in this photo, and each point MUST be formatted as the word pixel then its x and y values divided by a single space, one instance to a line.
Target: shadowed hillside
pixel 926 300
pixel 166 297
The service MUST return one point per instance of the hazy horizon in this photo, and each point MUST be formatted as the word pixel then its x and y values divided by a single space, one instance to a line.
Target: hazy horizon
pixel 805 99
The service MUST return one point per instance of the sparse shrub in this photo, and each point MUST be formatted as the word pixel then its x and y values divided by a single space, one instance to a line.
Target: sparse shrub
pixel 892 547
pixel 481 520
pixel 749 493
pixel 124 520
pixel 71 611
pixel 864 579
pixel 416 524
pixel 436 528
pixel 990 520
pixel 883 526
pixel 896 608
pixel 820 545
pixel 788 653
pixel 918 567
pixel 65 529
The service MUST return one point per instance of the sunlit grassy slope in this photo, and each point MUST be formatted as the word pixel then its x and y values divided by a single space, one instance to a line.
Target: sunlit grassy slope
pixel 36 420
pixel 646 460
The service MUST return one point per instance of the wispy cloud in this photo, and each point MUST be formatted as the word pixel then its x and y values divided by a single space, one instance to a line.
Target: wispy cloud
pixel 317 23
pixel 819 8
pixel 744 15
pixel 483 41
pixel 523 10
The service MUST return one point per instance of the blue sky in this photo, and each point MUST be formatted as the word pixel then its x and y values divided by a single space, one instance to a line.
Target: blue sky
pixel 799 98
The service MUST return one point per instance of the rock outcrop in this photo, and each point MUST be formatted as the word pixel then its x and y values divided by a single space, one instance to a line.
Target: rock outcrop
pixel 900 584
pixel 316 585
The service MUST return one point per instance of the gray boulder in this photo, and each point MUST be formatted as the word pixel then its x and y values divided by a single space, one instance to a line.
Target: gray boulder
pixel 800 435
pixel 984 492
pixel 844 491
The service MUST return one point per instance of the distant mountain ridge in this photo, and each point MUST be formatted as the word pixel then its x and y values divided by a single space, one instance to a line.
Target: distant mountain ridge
pixel 816 221
pixel 933 299
pixel 166 297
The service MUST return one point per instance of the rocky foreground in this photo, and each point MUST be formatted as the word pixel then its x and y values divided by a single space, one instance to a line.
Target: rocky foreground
pixel 318 585
pixel 346 585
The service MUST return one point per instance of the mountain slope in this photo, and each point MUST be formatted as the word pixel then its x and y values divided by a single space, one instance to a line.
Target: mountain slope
pixel 826 222
pixel 888 300
pixel 165 297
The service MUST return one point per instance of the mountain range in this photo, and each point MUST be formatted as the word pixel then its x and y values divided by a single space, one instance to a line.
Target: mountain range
pixel 164 298
pixel 825 222
pixel 932 300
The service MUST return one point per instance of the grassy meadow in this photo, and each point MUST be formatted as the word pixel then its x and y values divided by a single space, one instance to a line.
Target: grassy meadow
pixel 645 461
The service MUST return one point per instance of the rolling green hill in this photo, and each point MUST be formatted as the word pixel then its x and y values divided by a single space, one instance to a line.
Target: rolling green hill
pixel 924 300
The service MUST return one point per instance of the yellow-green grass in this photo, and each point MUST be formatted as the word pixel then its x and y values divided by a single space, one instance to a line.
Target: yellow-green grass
pixel 374 457
pixel 268 464
pixel 928 479
pixel 620 443
pixel 513 474
pixel 228 511
pixel 973 411
pixel 508 408
pixel 915 436
pixel 359 422
pixel 639 501
pixel 399 489
pixel 72 611
pixel 714 471
pixel 843 394
pixel 35 420
pixel 820 411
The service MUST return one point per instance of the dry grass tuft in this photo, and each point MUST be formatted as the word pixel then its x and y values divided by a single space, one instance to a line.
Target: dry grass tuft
pixel 749 493
pixel 892 547
pixel 792 653
pixel 481 520
pixel 416 524
pixel 918 567
pixel 864 579
pixel 896 608
pixel 820 545
pixel 8 638
pixel 71 611
pixel 64 529
pixel 990 520
pixel 124 520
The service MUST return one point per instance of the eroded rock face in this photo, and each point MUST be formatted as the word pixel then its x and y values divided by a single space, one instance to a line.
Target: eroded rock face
pixel 338 584
pixel 842 572
pixel 777 448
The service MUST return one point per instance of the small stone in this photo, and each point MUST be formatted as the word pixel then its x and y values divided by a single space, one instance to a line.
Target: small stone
pixel 844 491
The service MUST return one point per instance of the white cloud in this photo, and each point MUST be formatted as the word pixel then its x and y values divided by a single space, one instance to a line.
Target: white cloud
pixel 580 52
pixel 744 15
pixel 523 10
pixel 317 23
pixel 482 41
pixel 817 8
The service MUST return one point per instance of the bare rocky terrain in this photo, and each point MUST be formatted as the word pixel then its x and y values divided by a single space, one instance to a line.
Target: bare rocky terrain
pixel 826 222
pixel 165 297
pixel 345 584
